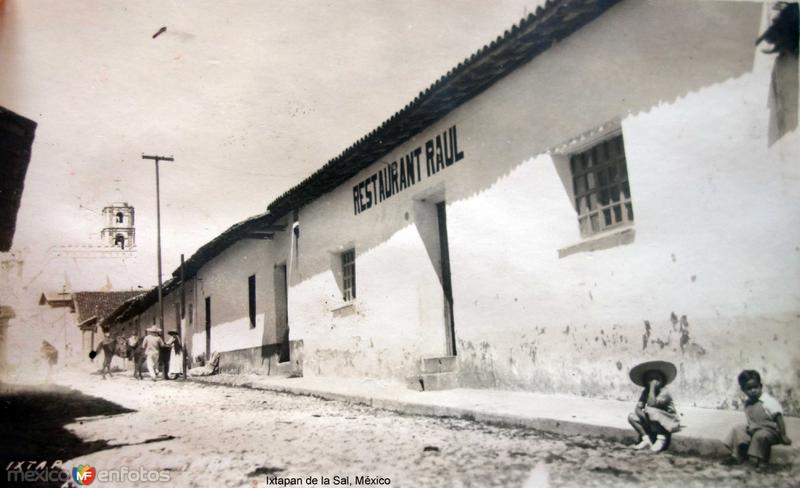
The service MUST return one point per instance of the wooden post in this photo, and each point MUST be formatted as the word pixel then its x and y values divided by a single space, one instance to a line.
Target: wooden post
pixel 157 159
pixel 183 320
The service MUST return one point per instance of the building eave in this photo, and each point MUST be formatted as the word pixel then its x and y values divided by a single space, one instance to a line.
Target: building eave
pixel 534 34
pixel 256 226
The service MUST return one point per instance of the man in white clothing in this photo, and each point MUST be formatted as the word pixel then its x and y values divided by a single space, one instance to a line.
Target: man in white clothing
pixel 151 343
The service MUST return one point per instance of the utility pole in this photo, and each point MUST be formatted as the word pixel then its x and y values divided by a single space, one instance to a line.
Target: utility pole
pixel 158 159
pixel 64 322
pixel 183 324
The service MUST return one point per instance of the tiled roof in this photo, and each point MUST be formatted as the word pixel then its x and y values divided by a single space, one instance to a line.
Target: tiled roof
pixel 127 309
pixel 257 223
pixel 534 34
pixel 99 303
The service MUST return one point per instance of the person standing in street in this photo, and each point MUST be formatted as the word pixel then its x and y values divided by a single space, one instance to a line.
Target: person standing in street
pixel 152 344
pixel 50 356
pixel 176 354
pixel 165 353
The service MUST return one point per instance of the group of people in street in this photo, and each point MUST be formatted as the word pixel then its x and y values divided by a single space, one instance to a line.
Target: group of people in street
pixel 655 417
pixel 159 355
pixel 166 356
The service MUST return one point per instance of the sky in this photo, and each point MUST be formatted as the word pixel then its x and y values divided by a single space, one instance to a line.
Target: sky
pixel 250 97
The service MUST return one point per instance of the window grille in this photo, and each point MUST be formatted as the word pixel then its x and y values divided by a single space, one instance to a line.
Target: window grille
pixel 602 190
pixel 349 274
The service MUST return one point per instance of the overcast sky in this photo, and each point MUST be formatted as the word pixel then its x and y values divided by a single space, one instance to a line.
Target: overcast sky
pixel 250 96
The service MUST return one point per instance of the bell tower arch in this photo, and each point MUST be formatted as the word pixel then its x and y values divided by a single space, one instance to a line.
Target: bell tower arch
pixel 119 229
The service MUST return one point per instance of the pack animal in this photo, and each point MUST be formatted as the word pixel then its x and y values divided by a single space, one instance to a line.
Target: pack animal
pixel 122 348
pixel 135 353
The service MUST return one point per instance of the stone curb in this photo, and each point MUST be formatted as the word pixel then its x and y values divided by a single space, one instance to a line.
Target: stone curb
pixel 681 443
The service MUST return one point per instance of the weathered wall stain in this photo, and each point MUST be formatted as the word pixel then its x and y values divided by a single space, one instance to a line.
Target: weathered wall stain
pixel 662 343
pixel 584 365
pixel 684 330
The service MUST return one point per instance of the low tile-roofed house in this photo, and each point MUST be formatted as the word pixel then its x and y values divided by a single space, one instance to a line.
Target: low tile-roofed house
pixel 261 226
pixel 99 304
pixel 136 304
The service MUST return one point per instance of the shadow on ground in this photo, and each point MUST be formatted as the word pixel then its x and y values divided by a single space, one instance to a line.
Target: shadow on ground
pixel 32 420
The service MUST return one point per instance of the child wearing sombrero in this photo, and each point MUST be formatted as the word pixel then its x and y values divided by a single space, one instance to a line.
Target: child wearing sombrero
pixel 655 417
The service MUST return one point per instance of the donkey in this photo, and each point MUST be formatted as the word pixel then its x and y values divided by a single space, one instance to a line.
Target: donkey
pixel 124 349
pixel 111 347
pixel 134 351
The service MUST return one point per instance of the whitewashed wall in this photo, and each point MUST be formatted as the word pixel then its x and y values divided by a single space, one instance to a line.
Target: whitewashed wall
pixel 714 269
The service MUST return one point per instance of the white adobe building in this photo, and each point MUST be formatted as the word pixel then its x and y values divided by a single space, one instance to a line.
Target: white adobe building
pixel 601 185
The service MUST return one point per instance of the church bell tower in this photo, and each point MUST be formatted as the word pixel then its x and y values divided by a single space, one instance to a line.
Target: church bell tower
pixel 119 228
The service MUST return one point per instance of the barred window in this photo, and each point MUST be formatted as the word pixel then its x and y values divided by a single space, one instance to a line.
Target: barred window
pixel 349 274
pixel 602 191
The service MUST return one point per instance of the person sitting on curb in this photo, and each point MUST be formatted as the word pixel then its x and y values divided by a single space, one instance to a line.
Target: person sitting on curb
pixel 655 417
pixel 765 426
pixel 210 368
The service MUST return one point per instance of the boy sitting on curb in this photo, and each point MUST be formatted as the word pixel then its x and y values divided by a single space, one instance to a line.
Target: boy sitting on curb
pixel 765 426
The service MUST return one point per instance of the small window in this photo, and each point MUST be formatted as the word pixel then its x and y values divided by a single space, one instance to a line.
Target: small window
pixel 251 295
pixel 600 183
pixel 120 217
pixel 349 274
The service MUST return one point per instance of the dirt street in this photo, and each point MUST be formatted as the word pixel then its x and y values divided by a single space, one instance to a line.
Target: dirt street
pixel 202 435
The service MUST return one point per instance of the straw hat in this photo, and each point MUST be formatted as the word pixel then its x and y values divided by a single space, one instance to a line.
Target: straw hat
pixel 664 367
pixel 153 328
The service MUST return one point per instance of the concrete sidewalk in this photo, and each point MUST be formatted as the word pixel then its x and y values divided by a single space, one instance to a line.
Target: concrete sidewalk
pixel 562 414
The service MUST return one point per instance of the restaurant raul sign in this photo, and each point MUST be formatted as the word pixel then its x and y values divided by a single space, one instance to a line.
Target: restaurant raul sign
pixel 440 152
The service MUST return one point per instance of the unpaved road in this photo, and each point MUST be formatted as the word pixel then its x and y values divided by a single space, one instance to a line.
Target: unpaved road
pixel 203 435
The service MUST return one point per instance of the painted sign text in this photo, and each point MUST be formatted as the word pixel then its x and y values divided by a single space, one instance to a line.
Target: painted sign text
pixel 438 153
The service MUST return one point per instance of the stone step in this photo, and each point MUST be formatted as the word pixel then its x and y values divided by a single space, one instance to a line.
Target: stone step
pixel 433 381
pixel 445 364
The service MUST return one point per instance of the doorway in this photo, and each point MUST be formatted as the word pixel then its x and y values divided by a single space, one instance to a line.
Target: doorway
pixel 281 311
pixel 447 287
pixel 208 328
